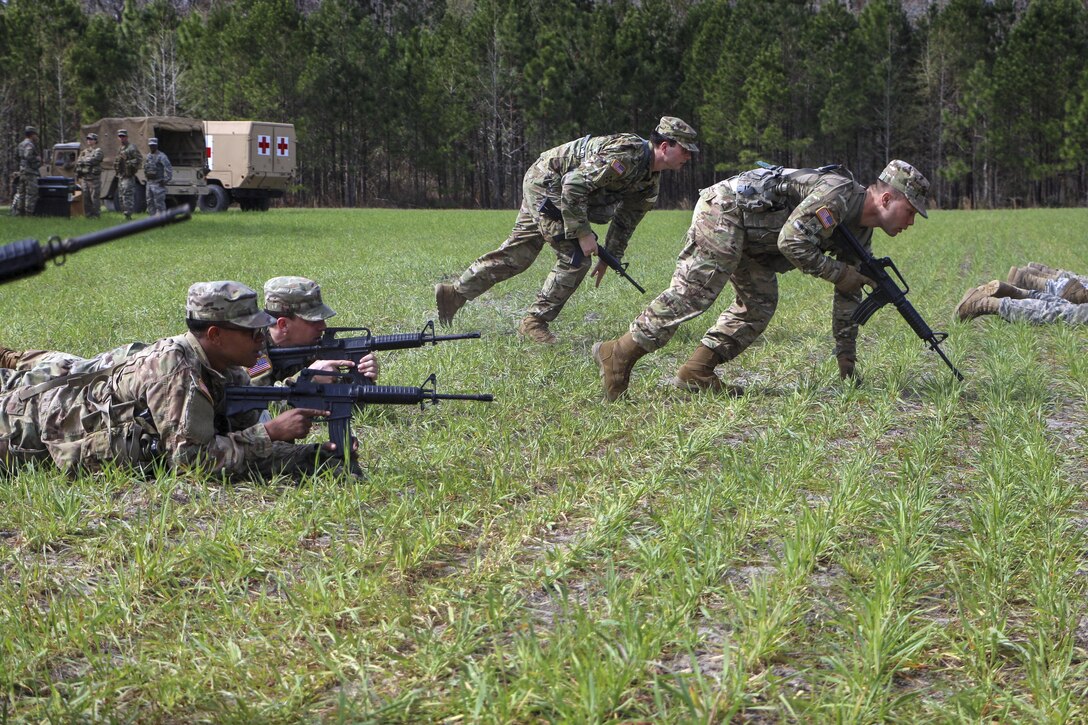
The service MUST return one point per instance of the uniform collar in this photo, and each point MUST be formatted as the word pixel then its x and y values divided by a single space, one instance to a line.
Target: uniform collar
pixel 201 356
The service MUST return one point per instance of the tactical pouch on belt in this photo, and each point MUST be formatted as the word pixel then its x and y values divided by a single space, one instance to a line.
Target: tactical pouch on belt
pixel 127 443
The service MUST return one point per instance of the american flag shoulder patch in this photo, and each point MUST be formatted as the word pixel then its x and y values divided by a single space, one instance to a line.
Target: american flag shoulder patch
pixel 618 166
pixel 263 365
pixel 825 217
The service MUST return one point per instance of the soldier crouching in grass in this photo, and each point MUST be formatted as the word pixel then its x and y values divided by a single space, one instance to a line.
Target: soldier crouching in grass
pixel 599 179
pixel 746 230
pixel 164 403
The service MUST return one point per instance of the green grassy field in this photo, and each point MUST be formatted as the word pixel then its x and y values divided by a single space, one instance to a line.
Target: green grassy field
pixel 911 549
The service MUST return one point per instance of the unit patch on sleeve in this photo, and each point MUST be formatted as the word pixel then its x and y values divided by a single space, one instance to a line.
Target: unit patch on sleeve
pixel 825 217
pixel 618 166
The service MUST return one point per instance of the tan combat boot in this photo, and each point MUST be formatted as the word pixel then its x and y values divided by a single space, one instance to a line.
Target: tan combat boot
pixel 1074 292
pixel 1042 270
pixel 9 359
pixel 698 374
pixel 537 330
pixel 1004 289
pixel 616 358
pixel 978 301
pixel 448 301
pixel 1026 279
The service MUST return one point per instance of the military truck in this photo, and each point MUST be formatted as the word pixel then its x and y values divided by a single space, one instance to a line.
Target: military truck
pixel 63 160
pixel 249 162
pixel 181 139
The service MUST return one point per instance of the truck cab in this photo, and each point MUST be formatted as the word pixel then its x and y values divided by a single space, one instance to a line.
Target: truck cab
pixel 62 161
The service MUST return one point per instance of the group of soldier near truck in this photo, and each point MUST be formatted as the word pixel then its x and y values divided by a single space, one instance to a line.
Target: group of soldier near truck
pixel 156 166
pixel 165 402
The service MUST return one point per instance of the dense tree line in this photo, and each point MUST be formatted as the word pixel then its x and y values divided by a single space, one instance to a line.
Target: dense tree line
pixel 445 102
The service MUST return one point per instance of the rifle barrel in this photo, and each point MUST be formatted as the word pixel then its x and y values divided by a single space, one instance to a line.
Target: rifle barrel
pixel 483 397
pixel 74 244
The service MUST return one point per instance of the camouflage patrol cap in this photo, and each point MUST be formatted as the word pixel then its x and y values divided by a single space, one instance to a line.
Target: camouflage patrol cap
pixel 122 132
pixel 92 137
pixel 295 296
pixel 908 180
pixel 225 301
pixel 677 130
pixel 29 130
pixel 152 141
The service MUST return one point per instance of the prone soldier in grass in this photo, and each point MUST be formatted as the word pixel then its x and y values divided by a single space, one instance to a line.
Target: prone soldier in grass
pixel 299 316
pixel 746 230
pixel 293 304
pixel 1037 294
pixel 599 179
pixel 164 403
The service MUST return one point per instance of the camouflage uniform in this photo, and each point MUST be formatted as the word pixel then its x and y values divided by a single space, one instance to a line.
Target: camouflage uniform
pixel 89 172
pixel 158 172
pixel 283 297
pixel 598 179
pixel 26 188
pixel 127 163
pixel 1061 277
pixel 746 230
pixel 162 403
pixel 1043 308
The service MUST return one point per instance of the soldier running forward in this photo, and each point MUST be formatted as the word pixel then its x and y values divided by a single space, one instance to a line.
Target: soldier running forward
pixel 598 179
pixel 89 175
pixel 29 155
pixel 1037 294
pixel 164 404
pixel 746 230
pixel 159 172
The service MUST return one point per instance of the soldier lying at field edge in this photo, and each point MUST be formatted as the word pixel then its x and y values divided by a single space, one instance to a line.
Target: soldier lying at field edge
pixel 164 403
pixel 1037 294
pixel 748 229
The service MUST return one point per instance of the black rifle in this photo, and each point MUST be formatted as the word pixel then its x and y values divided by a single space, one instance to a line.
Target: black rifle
pixel 551 211
pixel 887 291
pixel 330 347
pixel 28 256
pixel 340 397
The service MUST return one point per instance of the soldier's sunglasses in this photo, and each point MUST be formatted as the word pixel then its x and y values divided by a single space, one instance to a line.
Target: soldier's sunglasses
pixel 257 333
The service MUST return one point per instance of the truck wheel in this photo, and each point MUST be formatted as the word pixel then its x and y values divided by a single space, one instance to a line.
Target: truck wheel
pixel 217 199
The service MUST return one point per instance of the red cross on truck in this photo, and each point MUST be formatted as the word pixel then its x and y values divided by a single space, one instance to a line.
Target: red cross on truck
pixel 252 163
